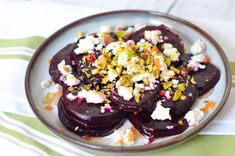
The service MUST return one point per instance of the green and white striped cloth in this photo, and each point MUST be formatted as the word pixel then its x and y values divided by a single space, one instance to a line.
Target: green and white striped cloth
pixel 21 133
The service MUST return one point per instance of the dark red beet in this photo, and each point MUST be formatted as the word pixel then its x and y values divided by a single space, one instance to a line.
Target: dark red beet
pixel 95 130
pixel 180 107
pixel 166 33
pixel 149 98
pixel 143 122
pixel 207 78
pixel 89 113
pixel 63 54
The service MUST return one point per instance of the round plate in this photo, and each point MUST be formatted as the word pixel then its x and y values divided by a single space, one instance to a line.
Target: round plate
pixel 38 71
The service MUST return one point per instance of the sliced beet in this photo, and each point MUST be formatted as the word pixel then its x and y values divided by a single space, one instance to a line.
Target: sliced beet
pixel 180 107
pixel 143 122
pixel 63 54
pixel 148 99
pixel 90 113
pixel 168 36
pixel 207 78
pixel 74 126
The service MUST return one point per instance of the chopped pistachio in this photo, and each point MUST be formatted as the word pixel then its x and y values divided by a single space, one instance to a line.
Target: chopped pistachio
pixel 177 71
pixel 167 84
pixel 137 98
pixel 95 71
pixel 105 80
pixel 119 70
pixel 167 61
pixel 193 80
pixel 183 97
pixel 180 122
pixel 110 85
pixel 177 95
pixel 87 87
pixel 181 86
pixel 48 98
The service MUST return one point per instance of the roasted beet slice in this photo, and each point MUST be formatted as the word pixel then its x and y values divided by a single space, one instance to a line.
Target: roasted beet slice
pixel 207 78
pixel 180 107
pixel 168 36
pixel 63 54
pixel 74 126
pixel 143 122
pixel 90 113
pixel 148 99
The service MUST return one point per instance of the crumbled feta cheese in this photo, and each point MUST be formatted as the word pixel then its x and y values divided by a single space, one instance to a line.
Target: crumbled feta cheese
pixel 63 68
pixel 175 83
pixel 160 112
pixel 45 84
pixel 198 47
pixel 114 47
pixel 133 66
pixel 194 116
pixel 125 92
pixel 71 97
pixel 105 28
pixel 193 65
pixel 199 58
pixel 124 136
pixel 106 107
pixel 139 26
pixel 168 95
pixel 122 59
pixel 142 44
pixel 171 52
pixel 92 96
pixel 71 80
pixel 161 59
pixel 87 44
pixel 130 30
pixel 167 74
pixel 153 36
pixel 112 74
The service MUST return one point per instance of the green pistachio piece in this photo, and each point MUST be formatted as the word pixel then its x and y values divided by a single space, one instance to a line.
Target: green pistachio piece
pixel 181 86
pixel 105 80
pixel 167 84
pixel 177 95
pixel 95 71
pixel 177 71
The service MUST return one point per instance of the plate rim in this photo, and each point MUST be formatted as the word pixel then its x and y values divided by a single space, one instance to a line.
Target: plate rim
pixel 141 148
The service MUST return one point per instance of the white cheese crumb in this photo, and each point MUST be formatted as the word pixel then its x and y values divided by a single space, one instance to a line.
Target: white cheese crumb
pixel 160 112
pixel 153 36
pixel 171 52
pixel 198 47
pixel 63 68
pixel 161 62
pixel 122 59
pixel 194 116
pixel 105 28
pixel 167 74
pixel 114 47
pixel 142 44
pixel 125 92
pixel 45 84
pixel 112 74
pixel 92 96
pixel 175 83
pixel 71 80
pixel 199 58
pixel 195 66
pixel 87 44
pixel 71 97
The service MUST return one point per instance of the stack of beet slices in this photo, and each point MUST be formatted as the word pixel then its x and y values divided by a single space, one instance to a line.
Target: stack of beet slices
pixel 86 118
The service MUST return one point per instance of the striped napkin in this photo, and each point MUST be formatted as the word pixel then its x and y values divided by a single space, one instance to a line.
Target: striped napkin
pixel 22 133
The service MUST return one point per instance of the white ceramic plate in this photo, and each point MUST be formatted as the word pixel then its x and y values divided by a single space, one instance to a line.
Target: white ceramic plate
pixel 38 71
